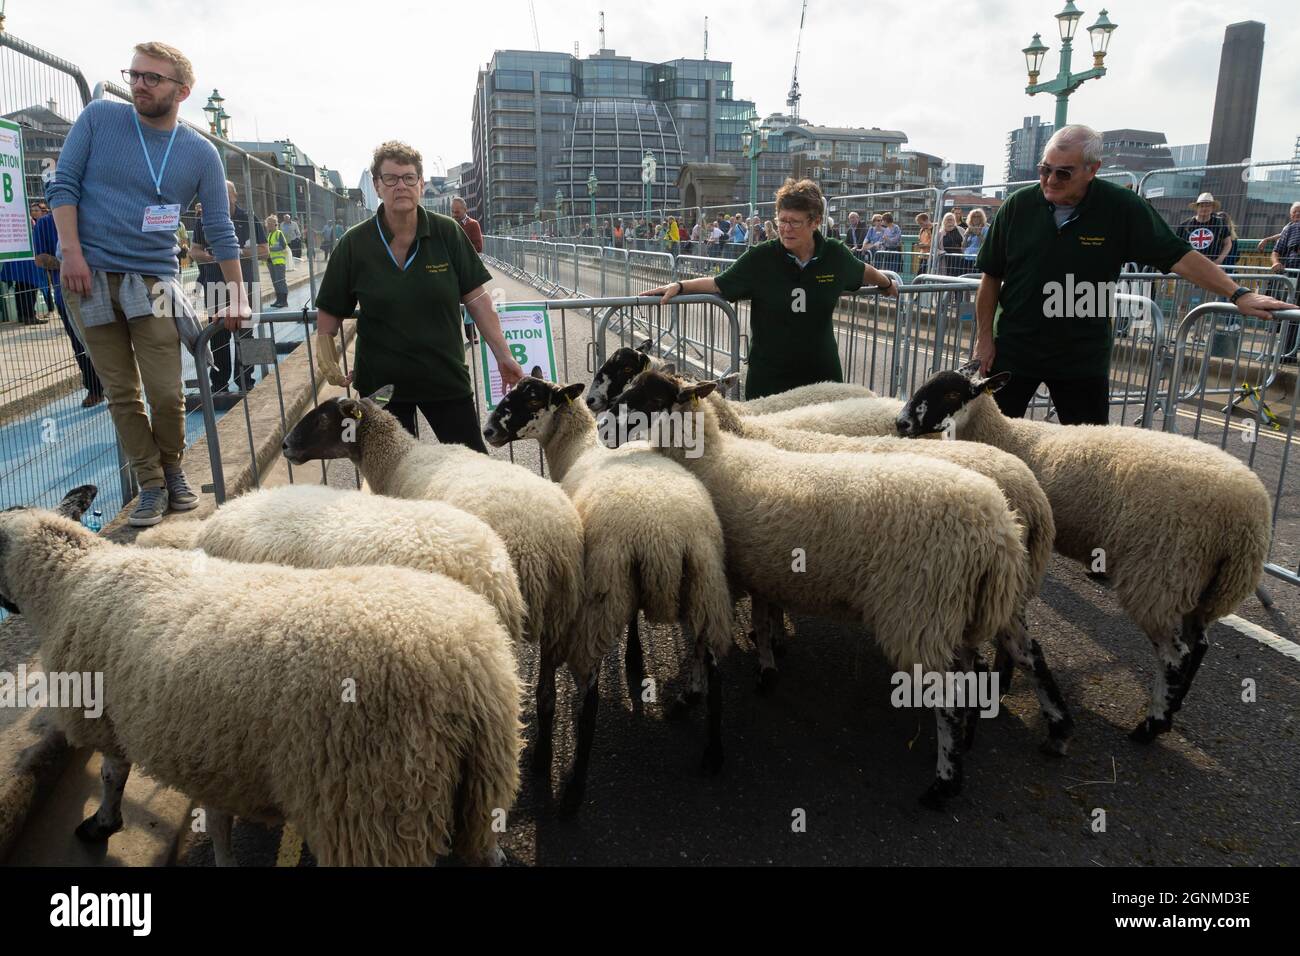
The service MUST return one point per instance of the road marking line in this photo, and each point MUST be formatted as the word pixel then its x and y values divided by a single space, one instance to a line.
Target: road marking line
pixel 290 851
pixel 1267 638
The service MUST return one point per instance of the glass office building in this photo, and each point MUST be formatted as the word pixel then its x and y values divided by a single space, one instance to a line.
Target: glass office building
pixel 543 121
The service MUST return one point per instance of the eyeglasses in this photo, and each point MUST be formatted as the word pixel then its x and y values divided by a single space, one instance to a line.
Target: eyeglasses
pixel 1062 173
pixel 792 223
pixel 390 179
pixel 151 80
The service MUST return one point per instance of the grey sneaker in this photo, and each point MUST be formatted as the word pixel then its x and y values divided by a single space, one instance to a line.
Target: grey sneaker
pixel 179 495
pixel 150 508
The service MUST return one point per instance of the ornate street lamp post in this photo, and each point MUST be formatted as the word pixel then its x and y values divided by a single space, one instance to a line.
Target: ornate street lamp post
pixel 754 140
pixel 592 185
pixel 648 166
pixel 1066 82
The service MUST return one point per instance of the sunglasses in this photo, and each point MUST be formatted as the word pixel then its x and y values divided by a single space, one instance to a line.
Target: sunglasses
pixel 1062 173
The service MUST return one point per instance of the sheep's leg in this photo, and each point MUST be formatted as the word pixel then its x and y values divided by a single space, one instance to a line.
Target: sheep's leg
pixel 947 780
pixel 972 660
pixel 577 783
pixel 541 763
pixel 107 820
pixel 220 824
pixel 634 662
pixel 766 621
pixel 1195 638
pixel 1173 658
pixel 684 702
pixel 1005 666
pixel 713 751
pixel 1023 651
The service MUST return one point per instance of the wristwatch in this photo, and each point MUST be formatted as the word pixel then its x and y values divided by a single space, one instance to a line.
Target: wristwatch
pixel 1238 293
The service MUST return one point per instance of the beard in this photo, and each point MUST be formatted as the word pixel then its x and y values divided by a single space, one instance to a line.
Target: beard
pixel 152 109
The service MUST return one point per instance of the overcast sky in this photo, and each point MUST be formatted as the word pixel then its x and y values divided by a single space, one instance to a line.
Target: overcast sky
pixel 339 78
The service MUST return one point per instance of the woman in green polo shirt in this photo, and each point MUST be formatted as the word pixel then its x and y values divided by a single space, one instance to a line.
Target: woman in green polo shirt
pixel 794 283
pixel 410 270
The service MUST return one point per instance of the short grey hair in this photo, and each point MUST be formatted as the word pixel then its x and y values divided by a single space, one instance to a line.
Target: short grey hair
pixel 1077 136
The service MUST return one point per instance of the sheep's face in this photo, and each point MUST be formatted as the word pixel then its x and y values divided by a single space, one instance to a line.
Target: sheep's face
pixel 942 401
pixel 612 377
pixel 527 409
pixel 328 431
pixel 656 390
pixel 18 522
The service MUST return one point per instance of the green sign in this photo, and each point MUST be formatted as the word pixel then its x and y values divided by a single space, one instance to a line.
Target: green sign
pixel 15 219
pixel 527 331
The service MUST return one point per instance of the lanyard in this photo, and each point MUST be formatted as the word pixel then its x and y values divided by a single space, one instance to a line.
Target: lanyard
pixel 158 176
pixel 389 250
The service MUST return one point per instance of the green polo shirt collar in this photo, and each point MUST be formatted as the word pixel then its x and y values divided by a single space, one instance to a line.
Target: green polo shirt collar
pixel 818 242
pixel 422 229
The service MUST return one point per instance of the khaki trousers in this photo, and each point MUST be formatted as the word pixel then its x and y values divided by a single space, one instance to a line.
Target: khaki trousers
pixel 124 354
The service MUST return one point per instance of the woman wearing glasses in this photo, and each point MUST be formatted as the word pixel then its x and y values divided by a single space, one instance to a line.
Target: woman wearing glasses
pixel 410 271
pixel 794 283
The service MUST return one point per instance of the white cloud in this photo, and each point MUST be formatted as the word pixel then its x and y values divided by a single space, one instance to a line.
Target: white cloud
pixel 339 78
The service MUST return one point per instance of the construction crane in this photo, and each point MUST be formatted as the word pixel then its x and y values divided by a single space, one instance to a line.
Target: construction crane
pixel 537 40
pixel 792 99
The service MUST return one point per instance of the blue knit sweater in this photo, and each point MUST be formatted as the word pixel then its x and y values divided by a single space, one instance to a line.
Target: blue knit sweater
pixel 103 172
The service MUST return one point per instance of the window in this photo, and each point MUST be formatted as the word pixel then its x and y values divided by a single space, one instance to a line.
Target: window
pixel 512 80
pixel 557 82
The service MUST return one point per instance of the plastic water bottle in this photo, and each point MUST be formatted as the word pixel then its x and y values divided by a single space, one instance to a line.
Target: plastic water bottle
pixel 95 521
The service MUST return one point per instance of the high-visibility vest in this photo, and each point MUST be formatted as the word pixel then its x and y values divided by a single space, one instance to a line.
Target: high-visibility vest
pixel 276 239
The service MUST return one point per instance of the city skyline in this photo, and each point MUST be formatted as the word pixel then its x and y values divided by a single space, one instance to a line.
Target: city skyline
pixel 954 86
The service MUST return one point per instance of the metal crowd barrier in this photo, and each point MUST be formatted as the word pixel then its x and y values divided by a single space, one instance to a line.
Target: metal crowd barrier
pixel 1262 441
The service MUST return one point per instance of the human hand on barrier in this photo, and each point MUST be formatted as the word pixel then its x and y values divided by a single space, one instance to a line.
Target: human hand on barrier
pixel 1279 268
pixel 890 290
pixel 1260 306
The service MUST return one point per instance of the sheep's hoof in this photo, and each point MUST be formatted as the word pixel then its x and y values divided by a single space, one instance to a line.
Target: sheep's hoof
pixel 767 680
pixel 680 707
pixel 1149 730
pixel 712 762
pixel 570 802
pixel 540 763
pixel 1054 746
pixel 90 830
pixel 938 793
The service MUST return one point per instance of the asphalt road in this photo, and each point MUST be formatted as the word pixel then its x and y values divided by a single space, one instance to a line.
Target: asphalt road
pixel 1218 790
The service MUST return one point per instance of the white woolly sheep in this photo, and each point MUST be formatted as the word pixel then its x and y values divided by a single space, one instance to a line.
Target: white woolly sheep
pixel 928 558
pixel 534 518
pixel 315 526
pixel 659 554
pixel 376 709
pixel 1183 528
pixel 625 363
pixel 1023 494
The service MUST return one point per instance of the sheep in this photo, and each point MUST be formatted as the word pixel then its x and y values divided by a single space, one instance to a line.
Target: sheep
pixel 1023 494
pixel 375 708
pixel 661 555
pixel 1183 528
pixel 625 363
pixel 855 417
pixel 314 526
pixel 926 555
pixel 535 519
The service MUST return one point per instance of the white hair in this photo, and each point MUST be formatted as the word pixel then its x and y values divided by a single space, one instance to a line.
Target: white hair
pixel 1077 136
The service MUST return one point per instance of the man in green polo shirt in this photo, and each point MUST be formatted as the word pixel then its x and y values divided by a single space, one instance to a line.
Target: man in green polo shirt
pixel 411 270
pixel 794 284
pixel 1051 261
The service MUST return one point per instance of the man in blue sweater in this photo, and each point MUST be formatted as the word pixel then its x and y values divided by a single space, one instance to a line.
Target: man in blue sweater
pixel 124 175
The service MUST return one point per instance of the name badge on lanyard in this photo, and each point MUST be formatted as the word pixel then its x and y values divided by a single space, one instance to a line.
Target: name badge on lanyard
pixel 161 217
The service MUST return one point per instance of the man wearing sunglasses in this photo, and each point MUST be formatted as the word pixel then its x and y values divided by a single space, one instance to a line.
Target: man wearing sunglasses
pixel 1051 260
pixel 124 175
